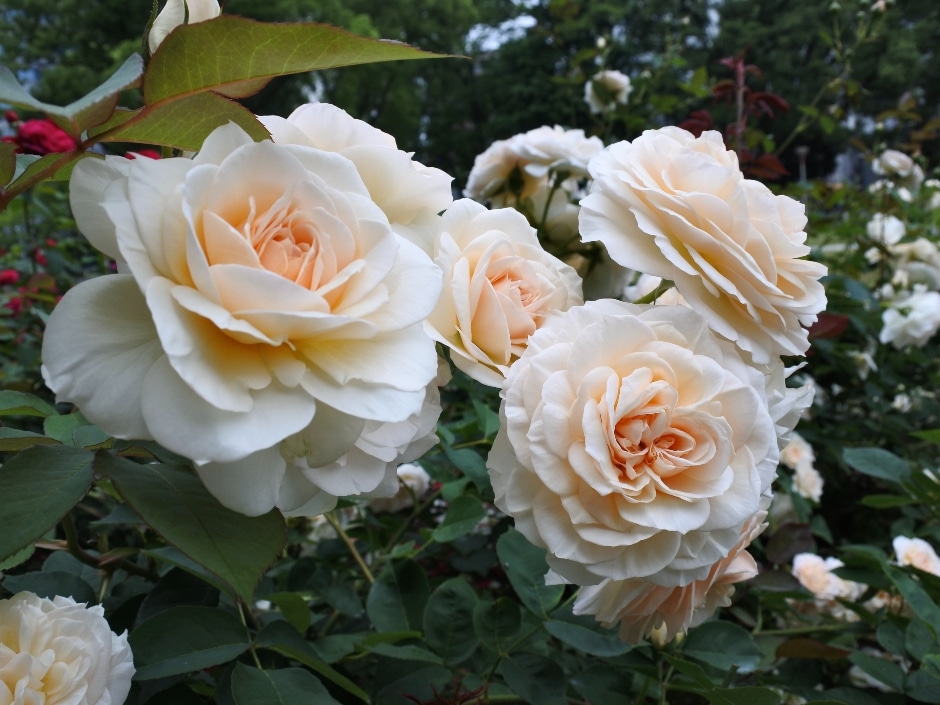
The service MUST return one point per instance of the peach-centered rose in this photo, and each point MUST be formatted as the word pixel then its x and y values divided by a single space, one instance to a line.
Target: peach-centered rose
pixel 59 652
pixel 677 207
pixel 916 552
pixel 643 609
pixel 266 321
pixel 499 287
pixel 634 444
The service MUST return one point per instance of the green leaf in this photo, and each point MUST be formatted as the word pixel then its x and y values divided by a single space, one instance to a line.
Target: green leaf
pixel 923 687
pixel 40 486
pixel 51 583
pixel 932 435
pixel 406 652
pixel 586 634
pixel 27 165
pixel 471 464
pixel 175 503
pixel 497 623
pixel 723 645
pixel 887 501
pixel 603 684
pixel 916 598
pixel 397 598
pixel 17 558
pixel 61 427
pixel 535 679
pixel 13 403
pixel 184 123
pixel 284 686
pixel 745 695
pixel 186 639
pixel 890 638
pixel 448 621
pixel 13 439
pixel 486 418
pixel 462 517
pixel 7 162
pixel 281 637
pixel 877 462
pixel 237 57
pixel 294 608
pixel 526 567
pixel 880 669
pixel 175 589
pixel 919 640
pixel 88 111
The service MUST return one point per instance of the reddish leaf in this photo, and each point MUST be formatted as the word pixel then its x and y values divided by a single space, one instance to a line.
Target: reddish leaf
pixel 803 647
pixel 829 325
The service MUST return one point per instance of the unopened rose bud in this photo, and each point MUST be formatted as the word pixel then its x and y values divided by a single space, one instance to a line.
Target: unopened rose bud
pixel 177 12
pixel 10 116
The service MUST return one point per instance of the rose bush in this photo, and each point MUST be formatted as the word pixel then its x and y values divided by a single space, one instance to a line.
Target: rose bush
pixel 499 286
pixel 677 207
pixel 59 652
pixel 265 318
pixel 633 444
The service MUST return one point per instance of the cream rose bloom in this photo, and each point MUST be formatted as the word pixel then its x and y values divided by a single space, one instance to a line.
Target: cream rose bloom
pixel 410 194
pixel 59 652
pixel 677 207
pixel 815 574
pixel 886 229
pixel 899 167
pixel 911 319
pixel 916 552
pixel 634 444
pixel 265 321
pixel 177 12
pixel 615 86
pixel 643 609
pixel 499 286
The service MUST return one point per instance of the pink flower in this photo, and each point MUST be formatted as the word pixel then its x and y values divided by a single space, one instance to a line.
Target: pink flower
pixel 41 137
pixel 9 276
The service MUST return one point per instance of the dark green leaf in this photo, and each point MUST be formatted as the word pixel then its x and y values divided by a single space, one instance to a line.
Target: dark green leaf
pixel 175 503
pixel 723 645
pixel 497 623
pixel 407 652
pixel 923 687
pixel 61 427
pixel 471 464
pixel 177 588
pixel 585 634
pixel 282 638
pixel 887 501
pixel 448 621
pixel 294 608
pixel 603 684
pixel 916 598
pixel 237 56
pixel 880 669
pixel 933 435
pixel 536 679
pixel 21 404
pixel 40 486
pixel 890 637
pixel 486 418
pixel 51 583
pixel 13 439
pixel 877 462
pixel 526 567
pixel 285 686
pixel 919 639
pixel 746 695
pixel 397 598
pixel 462 517
pixel 184 123
pixel 186 639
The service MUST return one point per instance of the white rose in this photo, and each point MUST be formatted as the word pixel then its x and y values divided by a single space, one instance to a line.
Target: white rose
pixel 409 193
pixel 643 608
pixel 911 319
pixel 815 574
pixel 177 12
pixel 634 444
pixel 555 149
pixel 677 207
pixel 886 229
pixel 916 552
pixel 919 261
pixel 808 482
pixel 900 167
pixel 413 481
pixel 797 451
pixel 864 363
pixel 266 311
pixel 499 287
pixel 59 652
pixel 613 84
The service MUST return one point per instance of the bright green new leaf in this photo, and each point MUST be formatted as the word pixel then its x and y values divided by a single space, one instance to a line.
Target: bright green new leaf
pixel 448 621
pixel 177 505
pixel 186 639
pixel 86 112
pixel 284 686
pixel 40 486
pixel 396 599
pixel 237 57
pixel 183 123
pixel 526 567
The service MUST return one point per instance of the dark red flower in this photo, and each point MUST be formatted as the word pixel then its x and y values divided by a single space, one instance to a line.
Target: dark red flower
pixel 15 304
pixel 41 137
pixel 11 117
pixel 149 153
pixel 9 276
pixel 41 258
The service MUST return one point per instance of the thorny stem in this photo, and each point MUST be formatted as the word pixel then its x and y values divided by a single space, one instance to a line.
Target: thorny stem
pixel 352 548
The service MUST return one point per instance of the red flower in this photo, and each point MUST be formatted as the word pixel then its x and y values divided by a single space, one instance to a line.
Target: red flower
pixel 9 276
pixel 41 137
pixel 15 304
pixel 10 116
pixel 41 258
pixel 149 153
